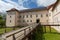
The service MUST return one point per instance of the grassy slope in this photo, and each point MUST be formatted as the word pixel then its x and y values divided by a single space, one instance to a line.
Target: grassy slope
pixel 2 30
pixel 53 35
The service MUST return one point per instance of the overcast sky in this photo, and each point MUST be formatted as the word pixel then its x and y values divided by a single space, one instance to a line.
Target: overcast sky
pixel 23 4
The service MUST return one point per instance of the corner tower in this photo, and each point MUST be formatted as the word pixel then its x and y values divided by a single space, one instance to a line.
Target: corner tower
pixel 11 18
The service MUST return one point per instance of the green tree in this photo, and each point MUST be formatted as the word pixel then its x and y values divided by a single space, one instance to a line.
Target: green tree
pixel 2 22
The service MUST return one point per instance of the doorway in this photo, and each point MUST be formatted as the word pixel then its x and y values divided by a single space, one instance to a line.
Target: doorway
pixel 37 21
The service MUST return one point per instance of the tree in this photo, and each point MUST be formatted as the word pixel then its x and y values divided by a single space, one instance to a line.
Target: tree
pixel 2 22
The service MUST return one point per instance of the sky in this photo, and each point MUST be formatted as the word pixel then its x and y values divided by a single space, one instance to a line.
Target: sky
pixel 24 4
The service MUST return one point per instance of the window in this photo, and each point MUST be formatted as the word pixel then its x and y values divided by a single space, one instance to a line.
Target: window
pixel 41 15
pixel 30 20
pixel 36 15
pixel 19 16
pixel 10 21
pixel 46 15
pixel 23 20
pixel 27 20
pixel 10 16
pixel 31 16
pixel 27 16
pixel 19 21
pixel 47 20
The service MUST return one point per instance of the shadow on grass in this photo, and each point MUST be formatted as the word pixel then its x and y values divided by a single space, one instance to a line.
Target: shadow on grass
pixel 40 31
pixel 52 32
pixel 38 34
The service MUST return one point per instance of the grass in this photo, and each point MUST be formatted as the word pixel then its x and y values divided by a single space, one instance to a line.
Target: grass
pixel 42 35
pixel 51 36
pixel 54 35
pixel 2 30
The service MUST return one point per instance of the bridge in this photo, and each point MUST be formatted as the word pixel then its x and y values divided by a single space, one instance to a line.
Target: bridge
pixel 50 24
pixel 25 32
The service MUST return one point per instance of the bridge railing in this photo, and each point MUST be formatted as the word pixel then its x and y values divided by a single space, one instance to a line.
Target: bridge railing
pixel 50 23
pixel 18 34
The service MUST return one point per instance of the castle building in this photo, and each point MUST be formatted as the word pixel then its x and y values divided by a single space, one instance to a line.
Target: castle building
pixel 55 14
pixel 26 17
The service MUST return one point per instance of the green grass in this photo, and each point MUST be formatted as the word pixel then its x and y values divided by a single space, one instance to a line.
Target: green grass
pixel 53 35
pixel 2 30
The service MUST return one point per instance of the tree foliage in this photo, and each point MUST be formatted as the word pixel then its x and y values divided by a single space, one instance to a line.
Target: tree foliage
pixel 2 22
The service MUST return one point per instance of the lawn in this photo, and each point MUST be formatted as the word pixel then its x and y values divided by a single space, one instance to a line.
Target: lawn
pixel 2 30
pixel 41 35
pixel 54 35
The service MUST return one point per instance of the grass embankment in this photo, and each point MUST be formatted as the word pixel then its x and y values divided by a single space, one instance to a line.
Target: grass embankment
pixel 2 30
pixel 40 34
pixel 53 35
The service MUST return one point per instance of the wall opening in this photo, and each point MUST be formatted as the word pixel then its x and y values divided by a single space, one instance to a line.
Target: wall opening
pixel 37 20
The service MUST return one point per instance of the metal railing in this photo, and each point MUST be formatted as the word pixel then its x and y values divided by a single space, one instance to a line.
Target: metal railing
pixel 18 34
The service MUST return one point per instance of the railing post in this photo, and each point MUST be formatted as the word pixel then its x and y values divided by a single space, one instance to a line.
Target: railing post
pixel 50 28
pixel 5 29
pixel 14 37
pixel 44 29
pixel 13 27
pixel 25 35
pixel 30 36
pixel 24 32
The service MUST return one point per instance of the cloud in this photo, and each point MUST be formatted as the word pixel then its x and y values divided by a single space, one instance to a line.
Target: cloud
pixel 28 3
pixel 37 3
pixel 8 4
pixel 5 6
pixel 45 2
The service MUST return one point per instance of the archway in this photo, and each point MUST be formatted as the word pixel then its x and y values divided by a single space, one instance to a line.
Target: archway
pixel 37 20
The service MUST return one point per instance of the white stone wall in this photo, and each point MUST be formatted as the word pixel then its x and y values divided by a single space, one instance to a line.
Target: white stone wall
pixel 12 19
pixel 56 17
pixel 50 16
pixel 34 18
pixel 56 14
pixel 17 21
